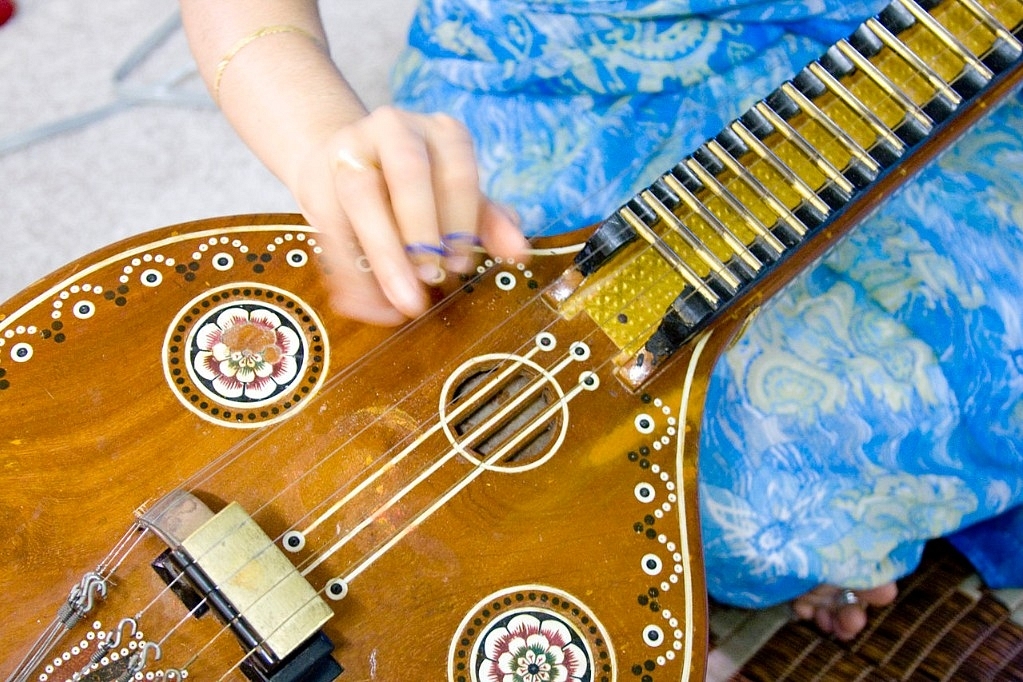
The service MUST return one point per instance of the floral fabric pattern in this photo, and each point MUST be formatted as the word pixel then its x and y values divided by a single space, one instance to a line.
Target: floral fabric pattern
pixel 574 104
pixel 877 401
pixel 887 381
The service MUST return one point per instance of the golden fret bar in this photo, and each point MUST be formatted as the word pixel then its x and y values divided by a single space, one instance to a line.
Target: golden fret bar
pixel 782 171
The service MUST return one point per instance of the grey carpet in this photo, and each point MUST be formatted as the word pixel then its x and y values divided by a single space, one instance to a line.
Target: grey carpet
pixel 151 162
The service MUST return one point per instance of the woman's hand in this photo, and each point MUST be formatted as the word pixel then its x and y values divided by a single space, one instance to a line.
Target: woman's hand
pixel 396 196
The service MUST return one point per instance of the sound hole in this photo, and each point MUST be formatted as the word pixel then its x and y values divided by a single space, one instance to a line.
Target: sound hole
pixel 506 420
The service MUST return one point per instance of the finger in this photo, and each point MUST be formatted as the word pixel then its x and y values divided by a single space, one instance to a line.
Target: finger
pixel 354 290
pixel 882 595
pixel 361 191
pixel 824 620
pixel 803 609
pixel 408 171
pixel 456 185
pixel 500 233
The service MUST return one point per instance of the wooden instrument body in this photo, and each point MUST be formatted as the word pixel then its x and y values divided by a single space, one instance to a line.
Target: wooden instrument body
pixel 205 358
pixel 595 527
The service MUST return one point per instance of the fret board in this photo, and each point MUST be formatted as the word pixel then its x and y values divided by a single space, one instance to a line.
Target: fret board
pixel 676 256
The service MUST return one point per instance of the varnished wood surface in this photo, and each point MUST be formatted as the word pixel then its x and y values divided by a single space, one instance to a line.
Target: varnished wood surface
pixel 593 531
pixel 94 429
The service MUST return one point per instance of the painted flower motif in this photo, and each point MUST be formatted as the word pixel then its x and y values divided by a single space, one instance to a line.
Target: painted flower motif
pixel 246 354
pixel 528 649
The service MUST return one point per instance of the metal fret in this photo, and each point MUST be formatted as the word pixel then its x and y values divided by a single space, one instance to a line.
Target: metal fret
pixel 743 174
pixel 814 112
pixel 1007 13
pixel 794 181
pixel 677 264
pixel 804 147
pixel 698 208
pixel 722 193
pixel 854 103
pixel 699 247
pixel 883 82
pixel 749 197
pixel 922 68
pixel 992 24
pixel 950 41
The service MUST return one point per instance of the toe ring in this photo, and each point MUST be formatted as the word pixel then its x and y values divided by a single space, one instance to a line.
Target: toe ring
pixel 846 598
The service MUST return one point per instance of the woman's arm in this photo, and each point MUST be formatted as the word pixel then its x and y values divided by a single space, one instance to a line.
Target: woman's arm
pixel 400 187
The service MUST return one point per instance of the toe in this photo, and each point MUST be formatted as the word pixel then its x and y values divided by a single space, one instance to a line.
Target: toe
pixel 882 595
pixel 849 621
pixel 833 615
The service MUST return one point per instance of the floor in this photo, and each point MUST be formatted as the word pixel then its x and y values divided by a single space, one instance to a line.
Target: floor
pixel 105 131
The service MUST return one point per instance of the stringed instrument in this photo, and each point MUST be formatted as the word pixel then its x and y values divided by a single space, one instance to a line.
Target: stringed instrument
pixel 208 474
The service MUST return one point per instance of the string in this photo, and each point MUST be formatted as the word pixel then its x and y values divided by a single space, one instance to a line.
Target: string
pixel 510 407
pixel 210 470
pixel 538 421
pixel 412 522
pixel 222 462
pixel 253 442
pixel 94 582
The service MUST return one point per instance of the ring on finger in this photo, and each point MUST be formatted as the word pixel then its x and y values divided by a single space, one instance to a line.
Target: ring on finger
pixel 457 242
pixel 346 158
pixel 459 250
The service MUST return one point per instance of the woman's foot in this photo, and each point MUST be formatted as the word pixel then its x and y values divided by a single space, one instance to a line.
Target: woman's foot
pixel 841 612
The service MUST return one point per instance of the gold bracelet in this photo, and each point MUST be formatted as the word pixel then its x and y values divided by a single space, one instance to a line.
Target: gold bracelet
pixel 256 35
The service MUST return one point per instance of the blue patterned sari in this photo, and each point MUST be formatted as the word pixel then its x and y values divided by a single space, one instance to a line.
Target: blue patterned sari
pixel 878 401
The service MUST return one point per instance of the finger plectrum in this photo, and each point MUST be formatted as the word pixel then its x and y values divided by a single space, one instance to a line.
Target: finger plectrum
pixel 460 250
pixel 427 258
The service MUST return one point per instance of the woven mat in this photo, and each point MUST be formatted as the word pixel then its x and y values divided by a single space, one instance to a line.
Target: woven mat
pixel 937 629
